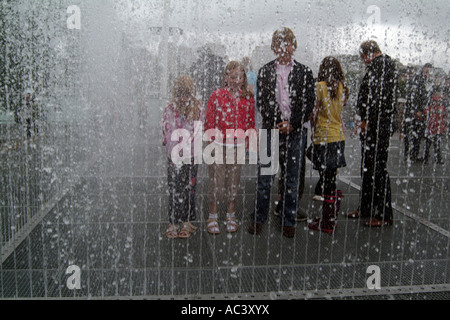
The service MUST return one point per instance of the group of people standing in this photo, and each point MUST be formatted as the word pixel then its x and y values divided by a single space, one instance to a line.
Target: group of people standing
pixel 425 117
pixel 288 99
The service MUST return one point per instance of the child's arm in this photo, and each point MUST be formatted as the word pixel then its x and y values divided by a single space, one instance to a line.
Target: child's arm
pixel 163 127
pixel 168 125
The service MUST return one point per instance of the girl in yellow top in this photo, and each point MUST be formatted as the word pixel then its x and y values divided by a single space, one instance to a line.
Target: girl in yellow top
pixel 328 136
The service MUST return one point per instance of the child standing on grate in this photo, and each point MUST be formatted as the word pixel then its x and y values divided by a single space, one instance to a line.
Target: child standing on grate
pixel 230 109
pixel 328 139
pixel 180 114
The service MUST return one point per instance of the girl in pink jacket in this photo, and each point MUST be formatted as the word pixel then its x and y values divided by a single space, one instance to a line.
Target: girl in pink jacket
pixel 181 113
pixel 230 107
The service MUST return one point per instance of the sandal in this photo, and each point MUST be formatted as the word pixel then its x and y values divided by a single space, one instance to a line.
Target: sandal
pixel 172 231
pixel 187 230
pixel 212 226
pixel 232 225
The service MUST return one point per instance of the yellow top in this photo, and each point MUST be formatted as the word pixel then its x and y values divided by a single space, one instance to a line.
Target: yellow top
pixel 328 128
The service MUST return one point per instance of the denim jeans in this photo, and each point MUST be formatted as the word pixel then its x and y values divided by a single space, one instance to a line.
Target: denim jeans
pixel 294 144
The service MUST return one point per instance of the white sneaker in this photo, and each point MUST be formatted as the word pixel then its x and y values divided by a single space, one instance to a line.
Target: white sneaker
pixel 318 198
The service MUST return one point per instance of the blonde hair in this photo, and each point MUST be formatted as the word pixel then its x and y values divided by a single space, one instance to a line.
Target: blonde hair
pixel 281 36
pixel 247 63
pixel 246 92
pixel 185 86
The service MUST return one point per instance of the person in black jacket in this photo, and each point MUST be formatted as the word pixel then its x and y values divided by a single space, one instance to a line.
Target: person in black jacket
pixel 414 120
pixel 285 100
pixel 376 107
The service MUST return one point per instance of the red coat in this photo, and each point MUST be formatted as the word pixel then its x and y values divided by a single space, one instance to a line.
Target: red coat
pixel 436 116
pixel 226 112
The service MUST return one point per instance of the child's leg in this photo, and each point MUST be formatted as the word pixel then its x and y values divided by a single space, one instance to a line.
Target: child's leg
pixel 233 180
pixel 171 184
pixel 232 185
pixel 437 148
pixel 184 193
pixel 329 181
pixel 318 190
pixel 192 192
pixel 216 185
pixel 428 141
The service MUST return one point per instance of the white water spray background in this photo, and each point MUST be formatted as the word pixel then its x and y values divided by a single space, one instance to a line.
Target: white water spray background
pixel 103 88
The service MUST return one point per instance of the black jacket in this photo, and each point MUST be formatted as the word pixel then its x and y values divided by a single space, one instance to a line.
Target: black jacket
pixel 302 95
pixel 417 100
pixel 377 97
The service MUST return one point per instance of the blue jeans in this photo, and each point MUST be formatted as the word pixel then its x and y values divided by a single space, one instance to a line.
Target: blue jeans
pixel 294 144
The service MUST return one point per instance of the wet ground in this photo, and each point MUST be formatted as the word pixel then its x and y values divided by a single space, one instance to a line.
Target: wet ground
pixel 110 217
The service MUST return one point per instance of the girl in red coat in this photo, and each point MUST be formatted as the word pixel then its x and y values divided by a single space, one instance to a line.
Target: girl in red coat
pixel 231 107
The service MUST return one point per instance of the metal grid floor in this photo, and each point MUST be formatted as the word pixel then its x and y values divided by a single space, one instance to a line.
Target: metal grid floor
pixel 111 223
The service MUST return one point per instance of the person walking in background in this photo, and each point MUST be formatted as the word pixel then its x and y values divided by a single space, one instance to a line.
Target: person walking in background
pixel 413 119
pixel 181 113
pixel 30 113
pixel 328 139
pixel 232 107
pixel 376 103
pixel 285 100
pixel 436 125
pixel 207 72
pixel 251 79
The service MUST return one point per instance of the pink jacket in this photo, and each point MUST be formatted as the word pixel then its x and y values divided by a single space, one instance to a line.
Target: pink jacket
pixel 226 112
pixel 173 120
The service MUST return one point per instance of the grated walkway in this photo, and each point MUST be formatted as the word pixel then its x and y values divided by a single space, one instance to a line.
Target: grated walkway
pixel 111 221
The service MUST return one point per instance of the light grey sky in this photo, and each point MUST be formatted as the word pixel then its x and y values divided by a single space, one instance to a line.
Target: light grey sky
pixel 416 32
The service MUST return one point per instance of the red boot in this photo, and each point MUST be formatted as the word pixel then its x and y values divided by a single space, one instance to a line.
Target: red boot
pixel 330 208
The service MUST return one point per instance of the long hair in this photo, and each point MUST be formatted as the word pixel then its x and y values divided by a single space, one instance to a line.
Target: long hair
pixel 331 72
pixel 246 92
pixel 185 86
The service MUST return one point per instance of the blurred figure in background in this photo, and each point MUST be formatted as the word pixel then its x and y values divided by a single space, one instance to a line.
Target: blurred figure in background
pixel 207 72
pixel 251 79
pixel 436 125
pixel 30 114
pixel 417 98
